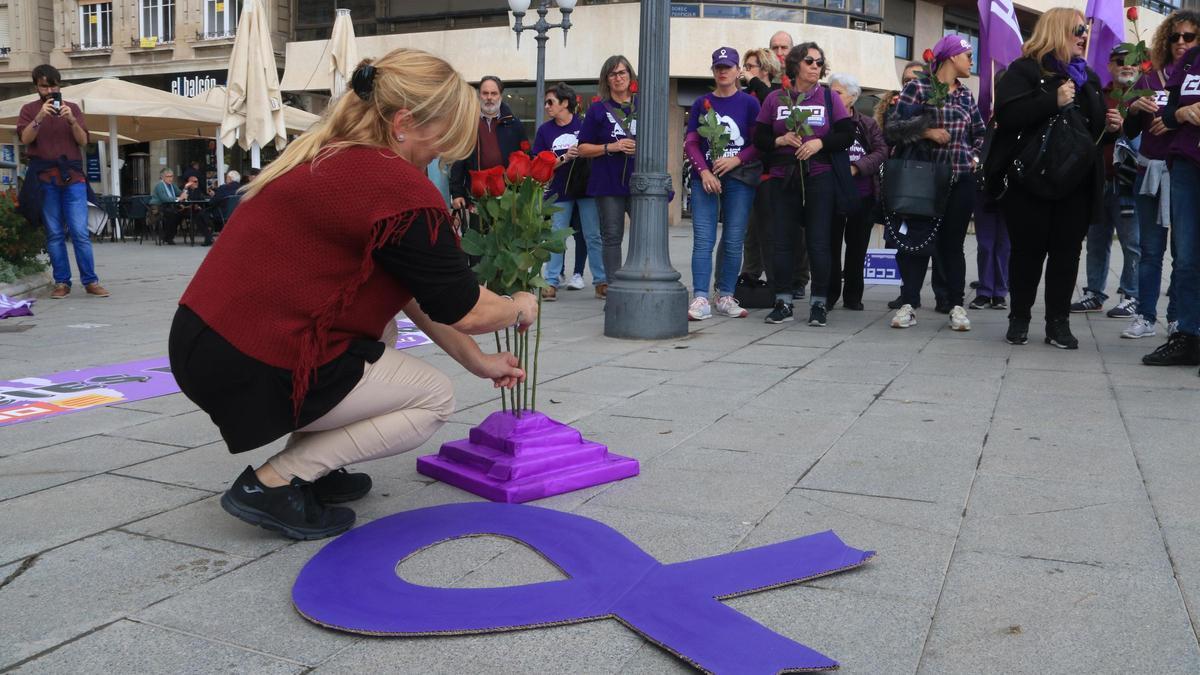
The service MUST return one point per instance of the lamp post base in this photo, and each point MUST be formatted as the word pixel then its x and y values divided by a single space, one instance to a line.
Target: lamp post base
pixel 646 310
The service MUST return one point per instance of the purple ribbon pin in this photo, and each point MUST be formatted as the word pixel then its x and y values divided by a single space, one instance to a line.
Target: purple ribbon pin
pixel 352 585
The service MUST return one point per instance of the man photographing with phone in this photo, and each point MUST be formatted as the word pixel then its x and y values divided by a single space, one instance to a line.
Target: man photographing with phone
pixel 56 191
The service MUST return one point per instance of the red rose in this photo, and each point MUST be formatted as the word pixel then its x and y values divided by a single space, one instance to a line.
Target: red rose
pixel 927 55
pixel 494 180
pixel 633 87
pixel 1146 65
pixel 524 146
pixel 543 166
pixel 787 82
pixel 478 184
pixel 1131 14
pixel 595 99
pixel 707 104
pixel 518 167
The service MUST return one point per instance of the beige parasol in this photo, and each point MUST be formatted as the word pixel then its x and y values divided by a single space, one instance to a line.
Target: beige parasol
pixel 343 53
pixel 254 105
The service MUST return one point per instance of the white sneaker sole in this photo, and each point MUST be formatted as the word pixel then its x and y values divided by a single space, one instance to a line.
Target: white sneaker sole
pixel 899 324
pixel 1130 336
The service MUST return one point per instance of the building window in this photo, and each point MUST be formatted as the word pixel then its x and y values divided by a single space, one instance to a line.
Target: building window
pixel 5 47
pixel 220 18
pixel 970 33
pixel 95 25
pixel 903 47
pixel 158 20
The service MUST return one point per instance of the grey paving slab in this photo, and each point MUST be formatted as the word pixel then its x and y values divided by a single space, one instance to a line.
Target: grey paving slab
pixel 52 517
pixel 173 404
pixel 42 433
pixel 1054 455
pixel 1177 404
pixel 651 659
pixel 786 356
pixel 218 610
pixel 188 430
pixel 850 369
pixel 65 462
pixel 73 589
pixel 678 357
pixel 899 471
pixel 1002 614
pixel 516 565
pixel 636 437
pixel 800 395
pixel 607 380
pixel 727 376
pixel 700 494
pixel 129 646
pixel 979 389
pixel 209 467
pixel 449 563
pixel 672 537
pixel 205 524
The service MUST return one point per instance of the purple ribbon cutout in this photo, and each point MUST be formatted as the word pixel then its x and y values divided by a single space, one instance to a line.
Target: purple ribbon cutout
pixel 352 585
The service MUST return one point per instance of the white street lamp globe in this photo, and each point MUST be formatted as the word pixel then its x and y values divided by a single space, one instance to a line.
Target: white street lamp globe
pixel 564 4
pixel 518 6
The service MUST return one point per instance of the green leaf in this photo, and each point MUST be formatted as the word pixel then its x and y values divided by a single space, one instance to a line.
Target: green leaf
pixel 472 243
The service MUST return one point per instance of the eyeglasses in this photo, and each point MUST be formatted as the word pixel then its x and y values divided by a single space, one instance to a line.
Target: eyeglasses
pixel 808 61
pixel 619 73
pixel 751 65
pixel 1176 37
pixel 1081 30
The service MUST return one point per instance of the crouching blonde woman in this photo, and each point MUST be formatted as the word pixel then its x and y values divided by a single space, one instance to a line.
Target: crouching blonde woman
pixel 288 325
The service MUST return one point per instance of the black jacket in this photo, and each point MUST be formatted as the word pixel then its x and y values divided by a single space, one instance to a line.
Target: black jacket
pixel 1026 97
pixel 509 132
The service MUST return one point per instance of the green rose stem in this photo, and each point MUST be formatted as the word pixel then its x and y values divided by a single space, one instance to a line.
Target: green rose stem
pixel 537 349
pixel 503 402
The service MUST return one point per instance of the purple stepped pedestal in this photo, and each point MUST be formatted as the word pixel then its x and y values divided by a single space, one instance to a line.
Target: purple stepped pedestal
pixel 517 459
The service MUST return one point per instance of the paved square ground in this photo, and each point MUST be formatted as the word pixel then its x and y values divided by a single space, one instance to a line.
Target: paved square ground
pixel 1034 510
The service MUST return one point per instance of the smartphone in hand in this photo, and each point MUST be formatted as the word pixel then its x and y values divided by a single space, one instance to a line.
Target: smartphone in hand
pixel 56 98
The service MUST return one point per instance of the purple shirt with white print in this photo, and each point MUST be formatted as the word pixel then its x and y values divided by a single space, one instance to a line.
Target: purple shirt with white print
pixel 1155 147
pixel 1186 79
pixel 610 172
pixel 558 139
pixel 821 121
pixel 738 114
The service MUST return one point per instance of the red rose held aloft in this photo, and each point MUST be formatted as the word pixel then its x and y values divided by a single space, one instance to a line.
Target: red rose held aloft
pixel 478 184
pixel 787 82
pixel 518 167
pixel 1131 14
pixel 633 87
pixel 927 55
pixel 494 177
pixel 524 146
pixel 1146 65
pixel 707 104
pixel 543 166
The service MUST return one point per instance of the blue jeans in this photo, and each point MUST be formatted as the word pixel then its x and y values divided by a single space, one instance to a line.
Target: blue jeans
pixel 589 218
pixel 1185 226
pixel 64 208
pixel 1153 240
pixel 735 202
pixel 1099 246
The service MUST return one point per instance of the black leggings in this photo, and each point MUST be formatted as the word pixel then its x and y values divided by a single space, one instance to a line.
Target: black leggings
pixel 814 213
pixel 947 250
pixel 856 229
pixel 1049 232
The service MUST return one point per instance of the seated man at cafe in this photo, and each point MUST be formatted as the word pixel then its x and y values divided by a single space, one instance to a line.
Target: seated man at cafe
pixel 218 211
pixel 167 198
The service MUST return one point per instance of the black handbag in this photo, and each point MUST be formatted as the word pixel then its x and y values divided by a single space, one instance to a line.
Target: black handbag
pixel 915 186
pixel 1056 158
pixel 578 172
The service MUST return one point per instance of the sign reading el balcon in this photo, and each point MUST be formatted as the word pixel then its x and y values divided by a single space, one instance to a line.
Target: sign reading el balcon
pixel 197 83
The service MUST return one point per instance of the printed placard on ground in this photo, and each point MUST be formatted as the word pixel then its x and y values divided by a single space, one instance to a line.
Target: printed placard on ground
pixel 880 267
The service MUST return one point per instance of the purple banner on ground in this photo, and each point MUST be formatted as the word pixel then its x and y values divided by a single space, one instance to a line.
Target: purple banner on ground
pixel 35 398
pixel 11 308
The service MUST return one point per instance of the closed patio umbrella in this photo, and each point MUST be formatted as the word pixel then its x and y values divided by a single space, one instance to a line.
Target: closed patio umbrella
pixel 343 53
pixel 254 104
pixel 294 119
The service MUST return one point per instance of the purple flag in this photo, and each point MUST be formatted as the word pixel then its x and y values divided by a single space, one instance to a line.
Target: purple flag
pixel 1107 19
pixel 999 45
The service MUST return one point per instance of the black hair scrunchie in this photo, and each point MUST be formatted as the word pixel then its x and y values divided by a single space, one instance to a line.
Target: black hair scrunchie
pixel 363 81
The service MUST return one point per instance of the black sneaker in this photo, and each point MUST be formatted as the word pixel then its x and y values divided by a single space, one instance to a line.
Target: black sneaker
pixel 1018 332
pixel 817 314
pixel 1181 349
pixel 292 510
pixel 1058 334
pixel 856 306
pixel 798 293
pixel 1127 308
pixel 999 303
pixel 974 285
pixel 942 309
pixel 980 302
pixel 781 313
pixel 340 485
pixel 1089 303
pixel 898 303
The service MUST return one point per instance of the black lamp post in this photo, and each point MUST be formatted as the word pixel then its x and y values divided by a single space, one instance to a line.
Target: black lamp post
pixel 542 28
pixel 645 299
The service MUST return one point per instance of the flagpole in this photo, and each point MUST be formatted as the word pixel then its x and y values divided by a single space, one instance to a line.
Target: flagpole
pixel 1087 47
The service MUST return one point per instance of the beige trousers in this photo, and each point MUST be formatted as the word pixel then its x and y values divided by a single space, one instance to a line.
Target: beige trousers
pixel 397 405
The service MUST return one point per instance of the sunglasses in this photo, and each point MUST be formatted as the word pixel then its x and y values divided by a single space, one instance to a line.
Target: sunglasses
pixel 1081 30
pixel 808 61
pixel 1176 37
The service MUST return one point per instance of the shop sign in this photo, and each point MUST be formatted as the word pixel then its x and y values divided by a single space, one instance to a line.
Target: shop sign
pixel 194 85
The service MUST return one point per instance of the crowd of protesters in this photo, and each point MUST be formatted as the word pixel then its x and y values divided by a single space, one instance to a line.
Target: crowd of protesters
pixel 786 184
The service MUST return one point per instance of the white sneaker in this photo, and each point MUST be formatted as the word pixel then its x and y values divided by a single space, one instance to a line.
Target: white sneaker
pixel 576 283
pixel 1138 327
pixel 1172 328
pixel 905 317
pixel 699 310
pixel 959 320
pixel 729 307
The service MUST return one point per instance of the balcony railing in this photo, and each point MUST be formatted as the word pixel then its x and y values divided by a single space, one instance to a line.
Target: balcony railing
pixel 202 36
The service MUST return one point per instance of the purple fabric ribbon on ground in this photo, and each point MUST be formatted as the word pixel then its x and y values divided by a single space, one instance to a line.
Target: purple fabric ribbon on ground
pixel 352 585
pixel 10 308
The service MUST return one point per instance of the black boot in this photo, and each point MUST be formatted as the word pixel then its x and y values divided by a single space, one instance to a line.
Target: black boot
pixel 1058 333
pixel 1018 332
pixel 292 510
pixel 1181 349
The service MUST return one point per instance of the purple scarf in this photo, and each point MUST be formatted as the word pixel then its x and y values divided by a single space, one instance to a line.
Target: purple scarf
pixel 1076 69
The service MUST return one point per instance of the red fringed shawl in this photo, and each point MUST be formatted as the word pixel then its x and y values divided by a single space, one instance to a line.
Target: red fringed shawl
pixel 291 280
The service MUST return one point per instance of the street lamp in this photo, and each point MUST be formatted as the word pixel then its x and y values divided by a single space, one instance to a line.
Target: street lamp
pixel 645 299
pixel 542 27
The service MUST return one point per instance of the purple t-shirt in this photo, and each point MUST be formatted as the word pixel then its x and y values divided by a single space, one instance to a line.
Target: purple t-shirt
pixel 1186 143
pixel 1155 147
pixel 558 139
pixel 857 151
pixel 610 172
pixel 738 114
pixel 821 121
